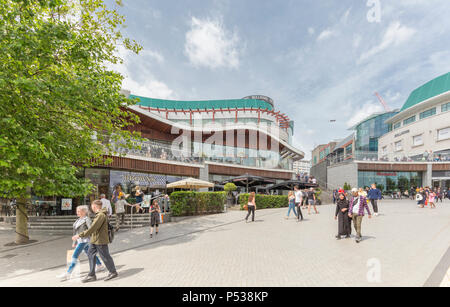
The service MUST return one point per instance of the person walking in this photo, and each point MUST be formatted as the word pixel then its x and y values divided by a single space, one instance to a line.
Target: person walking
pixel 99 240
pixel 298 202
pixel 341 215
pixel 82 244
pixel 106 204
pixel 358 203
pixel 432 199
pixel 291 200
pixel 155 211
pixel 251 204
pixel 139 196
pixel 374 196
pixel 120 211
pixel 312 201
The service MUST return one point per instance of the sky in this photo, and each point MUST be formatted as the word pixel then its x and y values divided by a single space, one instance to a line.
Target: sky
pixel 318 60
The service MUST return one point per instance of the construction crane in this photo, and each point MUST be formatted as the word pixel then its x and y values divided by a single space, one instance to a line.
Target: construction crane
pixel 385 106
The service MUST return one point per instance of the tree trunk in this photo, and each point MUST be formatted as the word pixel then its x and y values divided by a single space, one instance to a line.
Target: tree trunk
pixel 22 222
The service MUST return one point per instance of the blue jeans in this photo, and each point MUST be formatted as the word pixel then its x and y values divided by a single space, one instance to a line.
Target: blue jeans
pixel 76 254
pixel 292 207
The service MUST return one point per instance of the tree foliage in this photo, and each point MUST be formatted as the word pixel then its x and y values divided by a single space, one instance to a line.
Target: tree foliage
pixel 60 102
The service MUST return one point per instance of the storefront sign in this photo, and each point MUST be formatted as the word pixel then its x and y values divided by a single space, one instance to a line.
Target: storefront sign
pixel 260 97
pixel 387 174
pixel 402 133
pixel 137 179
pixel 66 204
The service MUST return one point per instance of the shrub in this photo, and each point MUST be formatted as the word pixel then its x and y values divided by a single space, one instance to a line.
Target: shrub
pixel 196 203
pixel 265 201
pixel 347 187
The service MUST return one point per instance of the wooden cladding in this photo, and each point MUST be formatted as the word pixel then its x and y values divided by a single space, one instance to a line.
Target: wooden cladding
pixel 236 171
pixel 152 167
pixel 441 167
pixel 385 167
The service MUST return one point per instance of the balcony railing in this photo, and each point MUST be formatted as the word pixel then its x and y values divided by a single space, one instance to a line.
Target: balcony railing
pixel 389 157
pixel 165 152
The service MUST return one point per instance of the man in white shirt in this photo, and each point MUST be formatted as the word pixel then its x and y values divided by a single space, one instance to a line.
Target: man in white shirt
pixel 106 204
pixel 298 202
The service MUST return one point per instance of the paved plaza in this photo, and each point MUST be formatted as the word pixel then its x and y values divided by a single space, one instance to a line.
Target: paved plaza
pixel 404 246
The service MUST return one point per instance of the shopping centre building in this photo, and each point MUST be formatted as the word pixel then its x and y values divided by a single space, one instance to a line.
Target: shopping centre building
pixel 406 147
pixel 211 140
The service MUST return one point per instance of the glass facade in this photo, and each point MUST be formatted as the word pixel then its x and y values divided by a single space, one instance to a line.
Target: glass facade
pixel 201 152
pixel 368 132
pixel 391 181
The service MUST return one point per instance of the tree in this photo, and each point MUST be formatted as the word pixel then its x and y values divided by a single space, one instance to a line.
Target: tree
pixel 347 187
pixel 390 184
pixel 60 106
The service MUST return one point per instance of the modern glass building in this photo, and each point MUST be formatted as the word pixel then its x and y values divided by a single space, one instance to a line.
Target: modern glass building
pixel 367 133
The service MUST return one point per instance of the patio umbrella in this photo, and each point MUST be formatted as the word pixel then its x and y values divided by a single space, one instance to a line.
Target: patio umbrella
pixel 190 183
pixel 248 181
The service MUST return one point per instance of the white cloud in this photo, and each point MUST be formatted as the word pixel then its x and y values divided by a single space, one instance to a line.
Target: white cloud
pixel 143 83
pixel 209 44
pixel 365 111
pixel 395 35
pixel 357 41
pixel 325 35
pixel 311 31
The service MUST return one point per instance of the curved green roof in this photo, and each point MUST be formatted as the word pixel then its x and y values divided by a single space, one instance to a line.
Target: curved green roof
pixel 202 105
pixel 431 89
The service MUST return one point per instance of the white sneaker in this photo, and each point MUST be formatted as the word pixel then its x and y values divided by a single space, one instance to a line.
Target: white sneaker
pixel 376 214
pixel 99 268
pixel 63 277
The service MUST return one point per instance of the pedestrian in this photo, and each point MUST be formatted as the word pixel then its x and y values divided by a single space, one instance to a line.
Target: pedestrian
pixel 374 196
pixel 432 199
pixel 120 211
pixel 81 244
pixel 358 203
pixel 139 196
pixel 298 202
pixel 312 201
pixel 155 211
pixel 251 206
pixel 344 221
pixel 99 240
pixel 106 204
pixel 291 200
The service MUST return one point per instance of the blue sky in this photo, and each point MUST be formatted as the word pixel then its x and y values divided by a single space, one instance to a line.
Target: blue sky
pixel 318 60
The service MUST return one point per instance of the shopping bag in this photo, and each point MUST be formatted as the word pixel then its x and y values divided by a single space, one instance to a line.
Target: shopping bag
pixel 161 218
pixel 69 255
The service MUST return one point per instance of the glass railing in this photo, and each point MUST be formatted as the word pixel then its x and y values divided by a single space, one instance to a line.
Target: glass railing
pixel 167 152
pixel 389 157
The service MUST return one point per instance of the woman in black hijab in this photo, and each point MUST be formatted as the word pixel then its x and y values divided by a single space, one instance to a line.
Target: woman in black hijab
pixel 341 215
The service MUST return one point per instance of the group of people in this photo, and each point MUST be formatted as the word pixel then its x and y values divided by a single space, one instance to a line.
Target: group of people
pixel 352 210
pixel 428 196
pixel 92 236
pixel 297 199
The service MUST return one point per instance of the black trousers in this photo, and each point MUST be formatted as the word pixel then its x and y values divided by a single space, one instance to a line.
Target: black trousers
pixel 299 212
pixel 374 205
pixel 251 209
pixel 103 252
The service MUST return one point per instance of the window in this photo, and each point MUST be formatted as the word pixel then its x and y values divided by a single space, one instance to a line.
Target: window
pixel 349 150
pixel 384 150
pixel 428 113
pixel 398 146
pixel 443 134
pixel 409 120
pixel 417 140
pixel 397 125
pixel 445 107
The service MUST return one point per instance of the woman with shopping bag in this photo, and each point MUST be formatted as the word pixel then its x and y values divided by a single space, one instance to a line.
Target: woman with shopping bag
pixel 82 244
